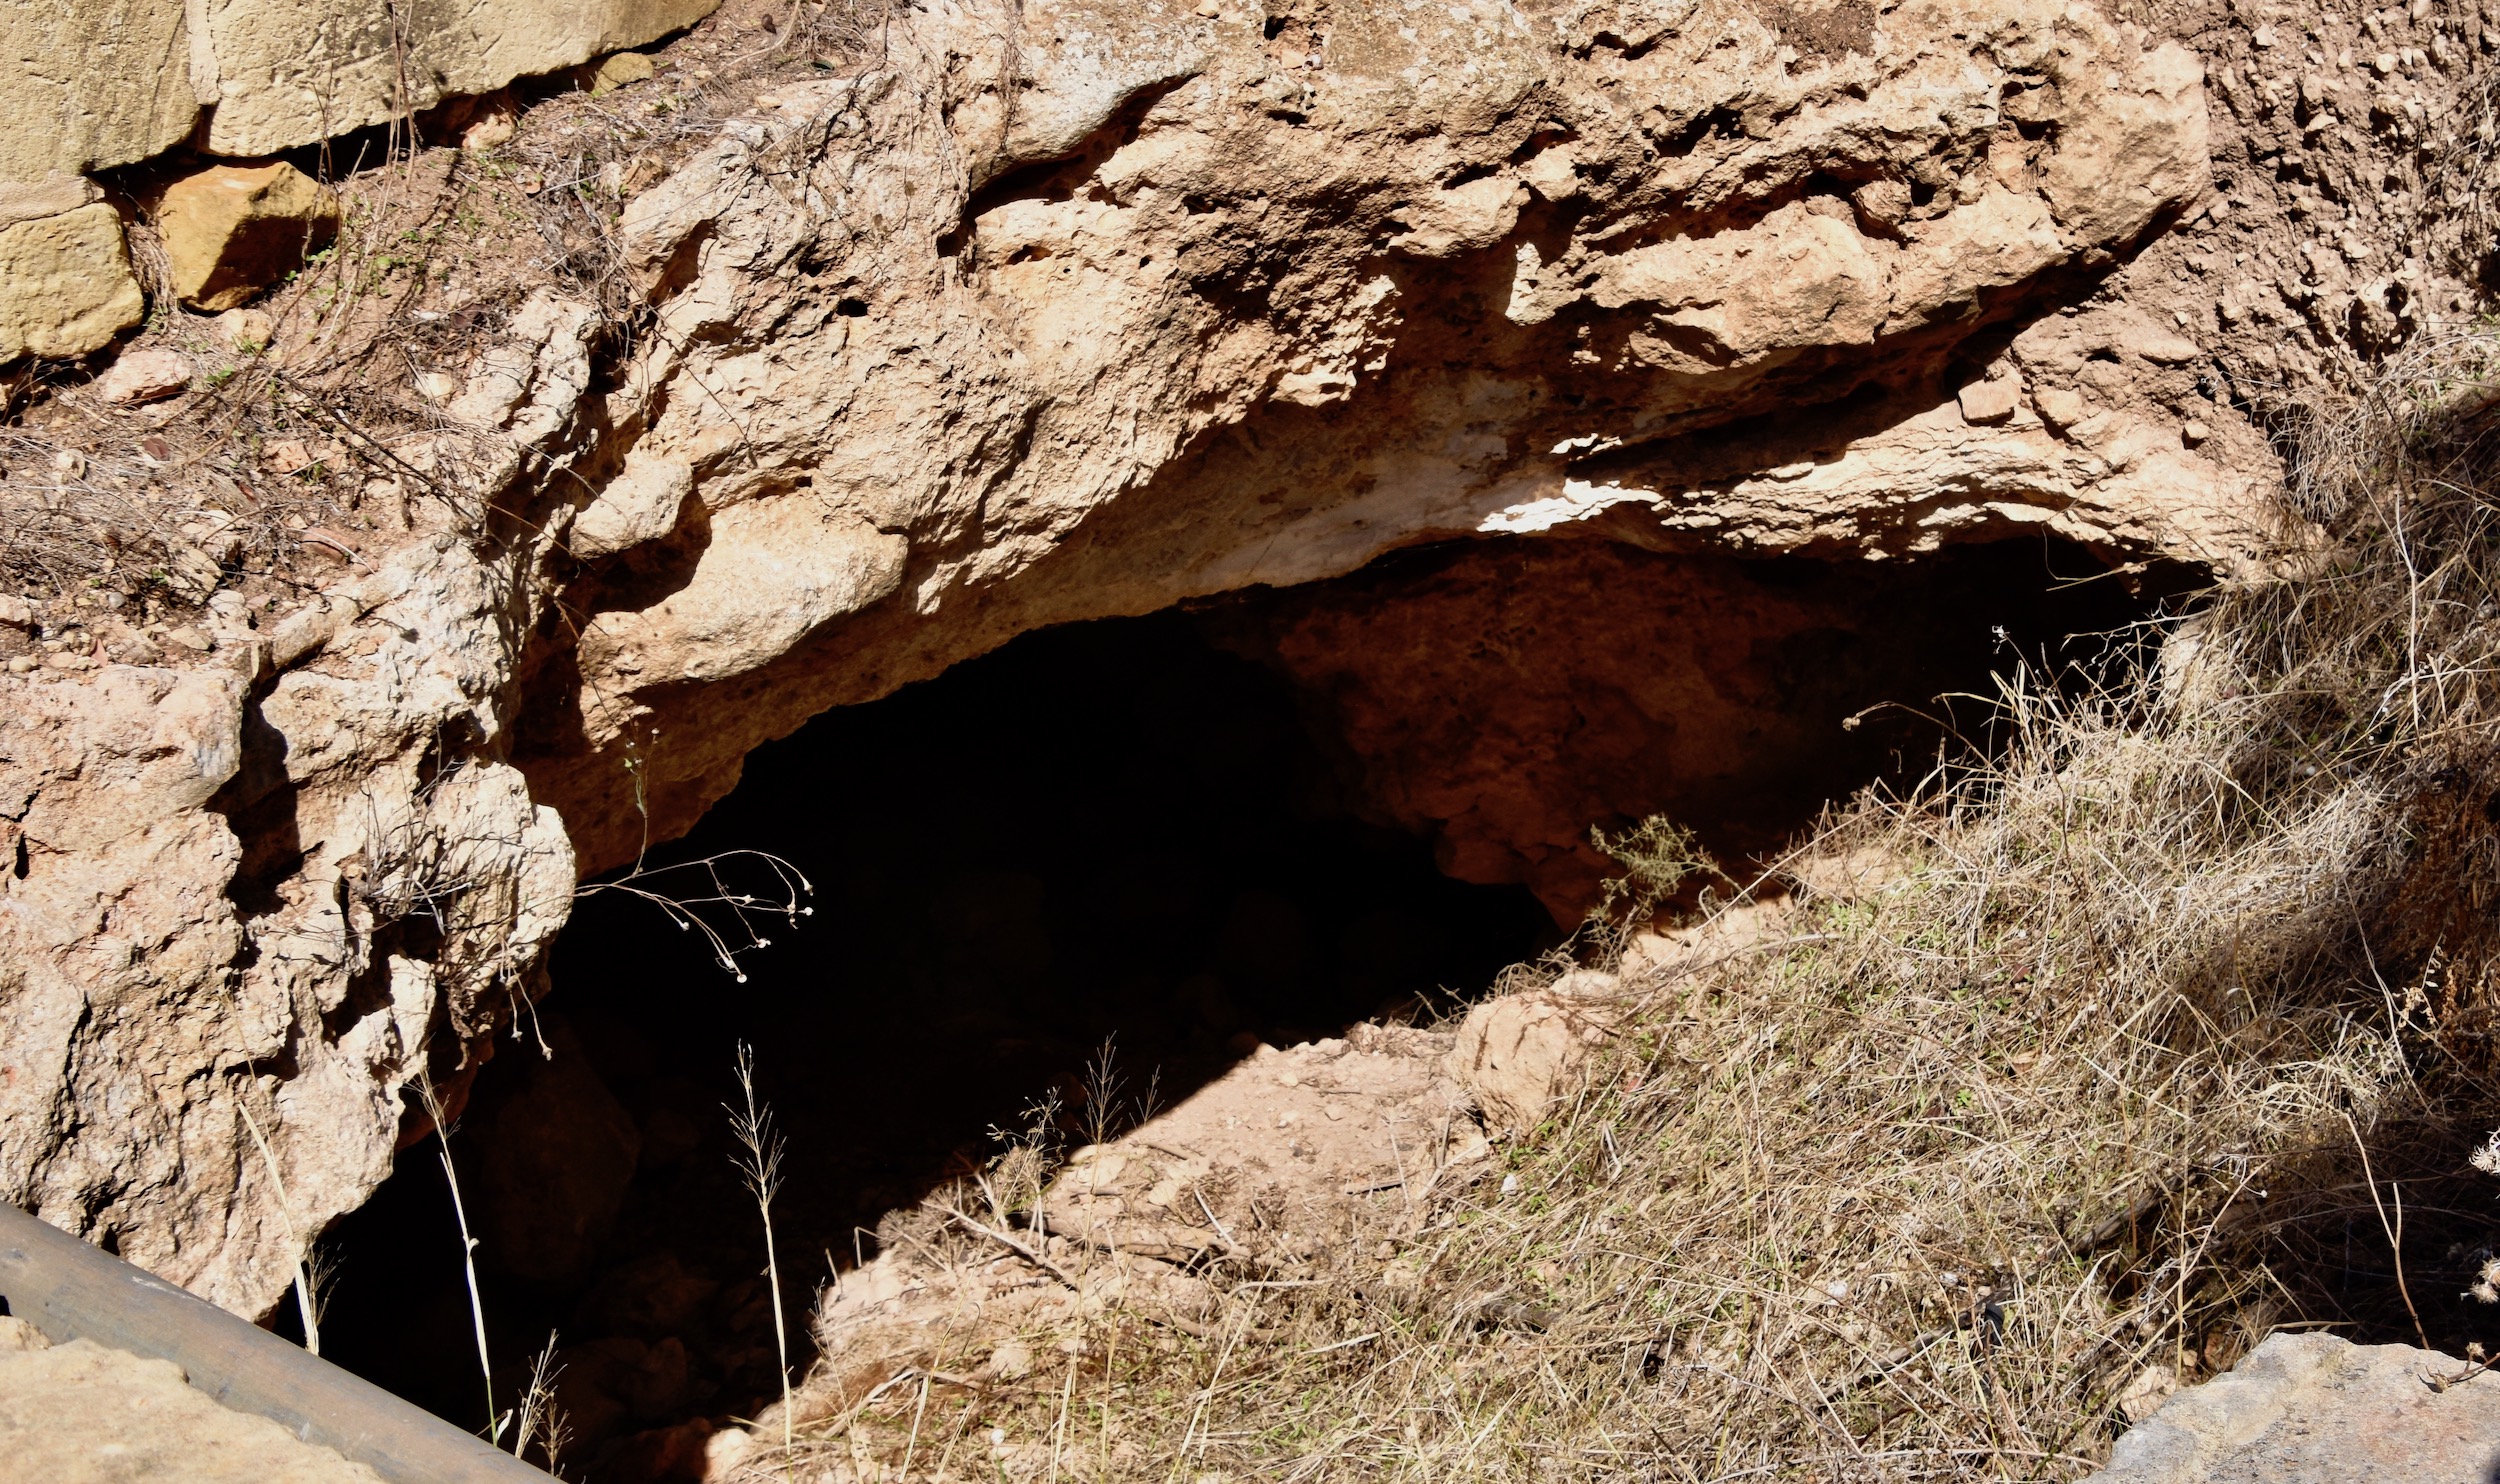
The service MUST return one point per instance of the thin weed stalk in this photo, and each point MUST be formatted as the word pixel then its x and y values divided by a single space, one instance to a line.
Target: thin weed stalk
pixel 759 1163
pixel 468 1253
pixel 305 1284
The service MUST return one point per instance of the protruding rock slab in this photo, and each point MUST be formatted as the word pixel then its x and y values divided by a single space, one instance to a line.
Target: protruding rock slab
pixel 234 230
pixel 65 284
pixel 81 1414
pixel 2315 1409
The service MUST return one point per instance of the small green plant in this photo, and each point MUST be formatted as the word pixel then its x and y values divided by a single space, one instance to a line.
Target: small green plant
pixel 1658 857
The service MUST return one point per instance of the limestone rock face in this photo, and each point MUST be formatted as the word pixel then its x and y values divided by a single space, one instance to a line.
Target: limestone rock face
pixel 1057 311
pixel 232 231
pixel 217 873
pixel 1206 307
pixel 65 284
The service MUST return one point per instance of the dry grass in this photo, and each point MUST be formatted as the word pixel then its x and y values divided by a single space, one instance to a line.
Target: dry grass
pixel 2170 1026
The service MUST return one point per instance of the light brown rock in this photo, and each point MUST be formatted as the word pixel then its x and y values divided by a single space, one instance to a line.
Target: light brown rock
pixel 55 195
pixel 1991 399
pixel 1522 1054
pixel 642 504
pixel 247 330
pixel 617 70
pixel 81 1414
pixel 1083 368
pixel 94 84
pixel 65 284
pixel 2318 1409
pixel 232 231
pixel 2059 407
pixel 145 376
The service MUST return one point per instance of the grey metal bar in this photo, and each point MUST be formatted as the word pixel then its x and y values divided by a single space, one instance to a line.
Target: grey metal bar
pixel 72 1291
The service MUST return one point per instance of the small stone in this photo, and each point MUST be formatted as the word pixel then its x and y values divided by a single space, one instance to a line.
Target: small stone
pixel 1990 401
pixel 19 664
pixel 437 386
pixel 2164 349
pixel 2384 63
pixel 1882 204
pixel 2059 407
pixel 618 70
pixel 2263 36
pixel 16 612
pixel 248 331
pixel 490 130
pixel 1011 1361
pixel 2145 1394
pixel 234 230
pixel 144 376
pixel 189 638
pixel 2193 433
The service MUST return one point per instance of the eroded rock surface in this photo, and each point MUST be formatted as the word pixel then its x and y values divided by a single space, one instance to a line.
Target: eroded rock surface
pixel 1152 304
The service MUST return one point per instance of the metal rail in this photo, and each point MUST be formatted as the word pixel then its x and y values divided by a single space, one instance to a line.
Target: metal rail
pixel 72 1291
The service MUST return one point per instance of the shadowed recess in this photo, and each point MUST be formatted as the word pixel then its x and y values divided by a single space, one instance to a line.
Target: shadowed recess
pixel 1174 836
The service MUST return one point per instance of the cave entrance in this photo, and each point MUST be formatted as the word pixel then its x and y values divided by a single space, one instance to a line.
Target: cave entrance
pixel 1173 836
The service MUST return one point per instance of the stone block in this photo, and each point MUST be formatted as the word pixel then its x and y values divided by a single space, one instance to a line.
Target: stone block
pixel 620 70
pixel 65 284
pixel 93 84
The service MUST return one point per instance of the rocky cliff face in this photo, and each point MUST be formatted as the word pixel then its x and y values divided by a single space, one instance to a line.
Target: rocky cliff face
pixel 1069 310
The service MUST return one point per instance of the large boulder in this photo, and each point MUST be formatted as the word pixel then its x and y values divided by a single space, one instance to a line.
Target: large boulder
pixel 234 230
pixel 65 282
